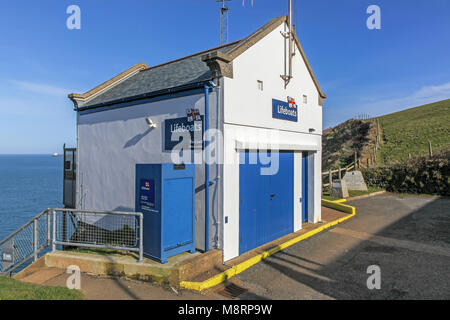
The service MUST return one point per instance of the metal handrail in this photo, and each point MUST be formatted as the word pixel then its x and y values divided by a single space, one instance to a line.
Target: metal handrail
pixel 36 250
pixel 140 248
pixel 24 226
pixel 121 213
pixel 51 239
pixel 42 248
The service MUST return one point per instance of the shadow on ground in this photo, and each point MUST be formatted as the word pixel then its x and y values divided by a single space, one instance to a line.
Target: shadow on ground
pixel 333 265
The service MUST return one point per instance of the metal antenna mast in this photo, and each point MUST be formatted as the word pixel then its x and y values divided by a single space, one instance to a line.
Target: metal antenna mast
pixel 224 13
pixel 243 3
pixel 223 22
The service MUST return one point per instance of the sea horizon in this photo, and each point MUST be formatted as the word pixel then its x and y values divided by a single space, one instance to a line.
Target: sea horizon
pixel 29 183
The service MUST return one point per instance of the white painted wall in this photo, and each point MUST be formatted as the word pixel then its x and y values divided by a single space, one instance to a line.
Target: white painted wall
pixel 265 61
pixel 248 119
pixel 297 191
pixel 316 187
pixel 233 133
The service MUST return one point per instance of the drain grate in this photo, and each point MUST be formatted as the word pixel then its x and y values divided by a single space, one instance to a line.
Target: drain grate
pixel 231 291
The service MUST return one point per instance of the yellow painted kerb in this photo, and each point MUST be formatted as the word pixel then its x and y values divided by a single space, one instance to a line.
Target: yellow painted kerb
pixel 213 281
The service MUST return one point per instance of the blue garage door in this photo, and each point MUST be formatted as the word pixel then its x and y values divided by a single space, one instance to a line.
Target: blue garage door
pixel 266 202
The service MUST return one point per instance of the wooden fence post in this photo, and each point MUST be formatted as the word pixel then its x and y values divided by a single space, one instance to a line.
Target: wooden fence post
pixel 330 174
pixel 355 160
pixel 430 149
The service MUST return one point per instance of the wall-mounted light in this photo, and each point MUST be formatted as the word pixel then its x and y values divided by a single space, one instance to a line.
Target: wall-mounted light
pixel 150 122
pixel 311 130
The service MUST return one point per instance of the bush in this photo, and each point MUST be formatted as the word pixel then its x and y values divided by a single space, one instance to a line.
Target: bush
pixel 417 175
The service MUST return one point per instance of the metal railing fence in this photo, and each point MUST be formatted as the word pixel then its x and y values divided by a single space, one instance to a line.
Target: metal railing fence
pixel 26 243
pixel 98 229
pixel 71 228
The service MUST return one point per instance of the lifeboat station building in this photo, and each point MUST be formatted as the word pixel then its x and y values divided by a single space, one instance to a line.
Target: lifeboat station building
pixel 218 150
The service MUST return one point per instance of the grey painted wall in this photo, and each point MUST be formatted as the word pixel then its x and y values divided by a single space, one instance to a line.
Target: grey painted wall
pixel 111 143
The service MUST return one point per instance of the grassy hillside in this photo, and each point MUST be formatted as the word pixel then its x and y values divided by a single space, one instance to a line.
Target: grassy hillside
pixel 407 132
pixel 340 143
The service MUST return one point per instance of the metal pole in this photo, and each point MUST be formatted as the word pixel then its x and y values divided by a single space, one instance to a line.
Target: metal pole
pixel 207 87
pixel 54 231
pixel 35 239
pixel 290 39
pixel 221 26
pixel 141 237
pixel 227 23
pixel 49 236
pixel 64 227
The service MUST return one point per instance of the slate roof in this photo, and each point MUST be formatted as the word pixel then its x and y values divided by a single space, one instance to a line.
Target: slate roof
pixel 184 71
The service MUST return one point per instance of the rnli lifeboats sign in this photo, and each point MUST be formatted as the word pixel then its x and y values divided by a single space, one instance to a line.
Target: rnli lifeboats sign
pixel 285 110
pixel 191 124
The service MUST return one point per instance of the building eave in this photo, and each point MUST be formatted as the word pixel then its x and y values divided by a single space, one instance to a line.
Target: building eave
pixel 149 95
pixel 78 98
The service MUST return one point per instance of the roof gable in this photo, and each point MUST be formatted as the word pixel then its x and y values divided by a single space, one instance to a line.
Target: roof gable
pixel 255 37
pixel 198 68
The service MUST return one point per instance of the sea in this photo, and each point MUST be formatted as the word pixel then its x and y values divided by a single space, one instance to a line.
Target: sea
pixel 28 185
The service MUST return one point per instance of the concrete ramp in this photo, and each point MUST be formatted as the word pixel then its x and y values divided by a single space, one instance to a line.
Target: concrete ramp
pixel 179 268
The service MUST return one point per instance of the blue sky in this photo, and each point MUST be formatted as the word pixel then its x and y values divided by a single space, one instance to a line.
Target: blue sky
pixel 404 64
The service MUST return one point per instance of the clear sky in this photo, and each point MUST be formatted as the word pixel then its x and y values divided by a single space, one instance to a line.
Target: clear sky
pixel 405 64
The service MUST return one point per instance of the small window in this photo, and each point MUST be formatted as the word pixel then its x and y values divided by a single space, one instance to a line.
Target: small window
pixel 260 85
pixel 305 99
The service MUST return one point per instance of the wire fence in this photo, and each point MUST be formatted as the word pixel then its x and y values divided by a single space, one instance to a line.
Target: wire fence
pixel 26 244
pixel 71 228
pixel 98 229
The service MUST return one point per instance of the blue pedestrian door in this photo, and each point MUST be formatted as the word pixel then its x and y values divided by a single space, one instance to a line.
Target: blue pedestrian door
pixel 305 187
pixel 266 202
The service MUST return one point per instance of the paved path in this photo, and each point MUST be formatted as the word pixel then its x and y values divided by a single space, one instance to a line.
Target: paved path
pixel 407 237
pixel 103 288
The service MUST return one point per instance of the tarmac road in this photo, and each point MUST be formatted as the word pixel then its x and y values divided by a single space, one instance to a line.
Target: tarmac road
pixel 407 237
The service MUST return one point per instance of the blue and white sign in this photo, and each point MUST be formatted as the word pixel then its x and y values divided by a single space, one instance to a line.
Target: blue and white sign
pixel 180 125
pixel 285 110
pixel 147 194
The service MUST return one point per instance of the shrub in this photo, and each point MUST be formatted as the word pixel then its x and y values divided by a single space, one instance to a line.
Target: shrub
pixel 416 175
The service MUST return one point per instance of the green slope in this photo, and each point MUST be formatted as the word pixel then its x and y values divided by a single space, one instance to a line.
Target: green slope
pixel 407 132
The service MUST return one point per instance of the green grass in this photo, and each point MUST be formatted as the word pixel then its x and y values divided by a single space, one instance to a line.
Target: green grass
pixel 11 289
pixel 407 132
pixel 356 193
pixel 327 197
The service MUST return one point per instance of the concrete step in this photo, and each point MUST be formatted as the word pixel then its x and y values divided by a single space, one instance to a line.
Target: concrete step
pixel 42 275
pixel 35 266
